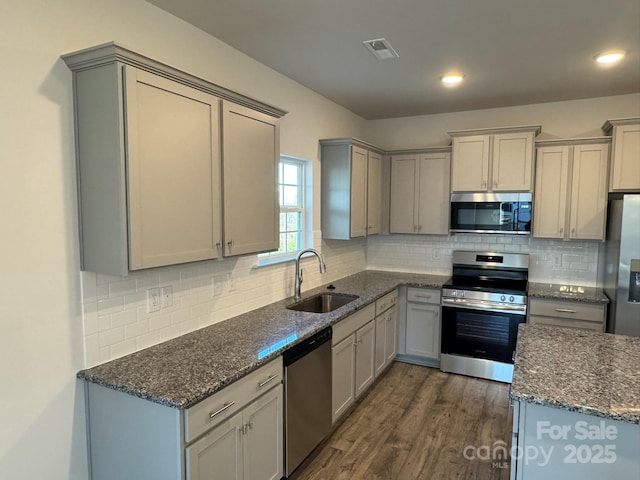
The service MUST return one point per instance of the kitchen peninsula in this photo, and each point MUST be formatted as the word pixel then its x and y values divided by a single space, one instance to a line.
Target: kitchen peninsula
pixel 576 405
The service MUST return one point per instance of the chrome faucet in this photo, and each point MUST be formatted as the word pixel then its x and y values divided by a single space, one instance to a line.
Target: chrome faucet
pixel 323 268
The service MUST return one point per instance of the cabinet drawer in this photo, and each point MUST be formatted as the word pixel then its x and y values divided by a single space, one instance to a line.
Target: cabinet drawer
pixel 571 310
pixel 352 323
pixel 228 401
pixel 386 302
pixel 423 295
pixel 566 323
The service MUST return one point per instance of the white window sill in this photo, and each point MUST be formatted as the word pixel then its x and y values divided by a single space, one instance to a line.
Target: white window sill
pixel 268 261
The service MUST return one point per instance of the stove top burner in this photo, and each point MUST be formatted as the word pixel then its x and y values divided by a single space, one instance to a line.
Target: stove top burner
pixel 504 273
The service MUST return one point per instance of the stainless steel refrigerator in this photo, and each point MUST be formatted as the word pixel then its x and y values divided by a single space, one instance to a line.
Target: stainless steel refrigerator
pixel 622 264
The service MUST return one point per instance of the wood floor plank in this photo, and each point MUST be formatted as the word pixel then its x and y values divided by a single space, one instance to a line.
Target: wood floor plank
pixel 415 424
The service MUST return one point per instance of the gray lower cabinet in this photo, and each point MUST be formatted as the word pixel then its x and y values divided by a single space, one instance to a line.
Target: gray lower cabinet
pixel 352 358
pixel 152 145
pixel 243 447
pixel 386 331
pixel 550 442
pixel 237 433
pixel 567 314
pixel 420 327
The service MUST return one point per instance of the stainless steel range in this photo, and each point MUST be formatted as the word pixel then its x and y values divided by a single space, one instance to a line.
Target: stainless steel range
pixel 482 306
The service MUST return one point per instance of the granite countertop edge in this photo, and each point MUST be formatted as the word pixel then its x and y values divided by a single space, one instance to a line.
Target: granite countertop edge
pixel 551 291
pixel 549 402
pixel 370 286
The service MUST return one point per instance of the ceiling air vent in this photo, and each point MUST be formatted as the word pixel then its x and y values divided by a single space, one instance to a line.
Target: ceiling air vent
pixel 381 49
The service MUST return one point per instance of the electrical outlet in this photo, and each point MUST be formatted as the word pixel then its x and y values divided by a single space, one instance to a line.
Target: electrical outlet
pixel 166 297
pixel 435 254
pixel 557 260
pixel 153 300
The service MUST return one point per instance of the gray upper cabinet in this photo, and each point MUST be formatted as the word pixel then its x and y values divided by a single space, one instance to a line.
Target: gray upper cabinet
pixel 625 154
pixel 419 192
pixel 351 188
pixel 493 160
pixel 149 147
pixel 173 168
pixel 251 206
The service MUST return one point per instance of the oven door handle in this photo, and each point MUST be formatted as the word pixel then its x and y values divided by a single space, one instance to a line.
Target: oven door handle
pixel 482 305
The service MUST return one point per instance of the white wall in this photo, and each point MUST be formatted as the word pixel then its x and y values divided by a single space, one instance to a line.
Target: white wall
pixel 570 119
pixel 42 431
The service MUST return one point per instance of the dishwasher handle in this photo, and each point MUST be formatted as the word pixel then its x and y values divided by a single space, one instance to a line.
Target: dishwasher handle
pixel 306 346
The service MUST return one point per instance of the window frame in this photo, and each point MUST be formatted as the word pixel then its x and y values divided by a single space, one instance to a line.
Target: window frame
pixel 305 208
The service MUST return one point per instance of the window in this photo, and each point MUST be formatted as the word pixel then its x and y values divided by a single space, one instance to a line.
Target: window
pixel 295 200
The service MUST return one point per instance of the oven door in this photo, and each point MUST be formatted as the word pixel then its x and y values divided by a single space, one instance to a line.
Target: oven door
pixel 490 335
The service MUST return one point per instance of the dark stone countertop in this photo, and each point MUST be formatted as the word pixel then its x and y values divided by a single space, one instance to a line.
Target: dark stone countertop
pixel 180 372
pixel 572 293
pixel 578 370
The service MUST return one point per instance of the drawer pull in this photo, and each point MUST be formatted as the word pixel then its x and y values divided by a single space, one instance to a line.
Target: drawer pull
pixel 224 407
pixel 262 384
pixel 420 295
pixel 565 310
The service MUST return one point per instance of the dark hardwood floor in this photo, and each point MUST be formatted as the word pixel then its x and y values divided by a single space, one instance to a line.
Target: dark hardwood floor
pixel 415 424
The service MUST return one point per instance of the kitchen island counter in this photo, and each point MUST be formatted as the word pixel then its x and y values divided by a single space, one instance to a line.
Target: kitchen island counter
pixel 580 371
pixel 180 372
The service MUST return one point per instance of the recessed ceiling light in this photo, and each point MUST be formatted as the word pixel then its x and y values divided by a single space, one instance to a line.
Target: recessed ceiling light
pixel 607 58
pixel 453 79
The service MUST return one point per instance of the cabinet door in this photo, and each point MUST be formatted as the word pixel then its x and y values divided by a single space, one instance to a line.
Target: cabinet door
pixel 512 162
pixel 365 349
pixel 343 375
pixel 250 156
pixel 625 160
pixel 381 343
pixel 423 330
pixel 218 453
pixel 173 164
pixel 470 163
pixel 263 456
pixel 358 192
pixel 404 178
pixel 374 187
pixel 434 196
pixel 589 192
pixel 549 213
pixel 391 331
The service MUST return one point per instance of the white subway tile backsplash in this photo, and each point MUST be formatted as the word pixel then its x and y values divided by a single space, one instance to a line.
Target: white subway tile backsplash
pixel 111 336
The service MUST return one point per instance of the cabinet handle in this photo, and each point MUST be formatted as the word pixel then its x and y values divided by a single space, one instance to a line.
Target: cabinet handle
pixel 573 232
pixel 224 407
pixel 561 229
pixel 419 227
pixel 421 295
pixel 262 384
pixel 495 184
pixel 484 184
pixel 218 247
pixel 565 310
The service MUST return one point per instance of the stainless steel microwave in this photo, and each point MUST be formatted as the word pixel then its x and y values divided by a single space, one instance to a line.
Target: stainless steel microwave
pixel 508 213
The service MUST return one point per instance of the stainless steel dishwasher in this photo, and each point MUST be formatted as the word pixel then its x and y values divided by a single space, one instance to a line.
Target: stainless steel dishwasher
pixel 307 404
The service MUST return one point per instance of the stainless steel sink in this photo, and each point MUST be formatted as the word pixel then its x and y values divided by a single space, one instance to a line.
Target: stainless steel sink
pixel 323 302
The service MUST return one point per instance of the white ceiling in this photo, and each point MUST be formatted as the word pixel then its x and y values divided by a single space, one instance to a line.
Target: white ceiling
pixel 513 52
